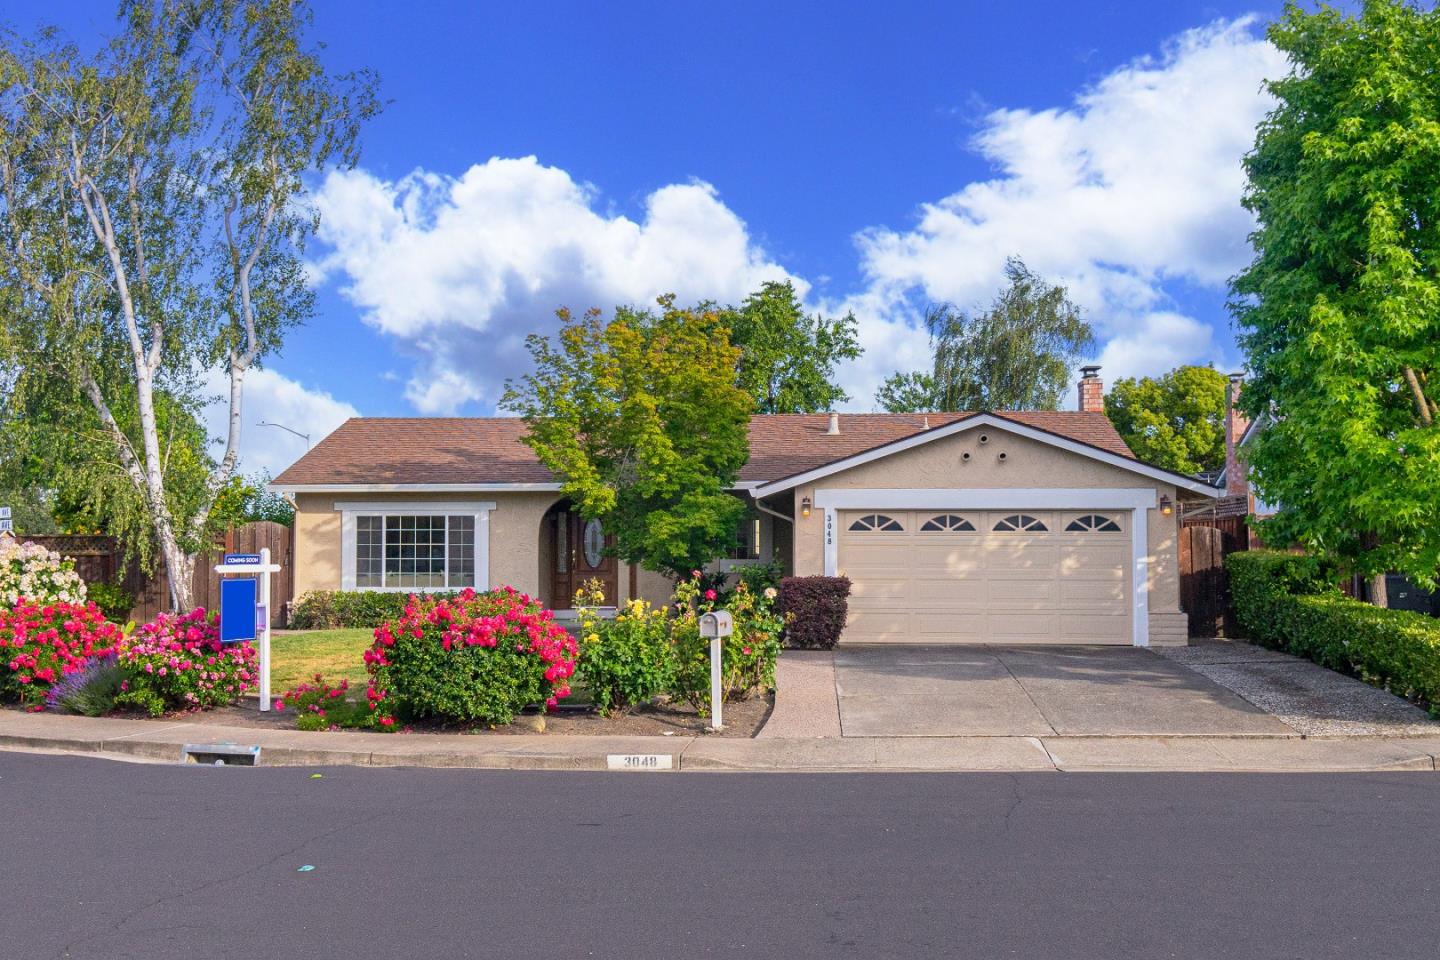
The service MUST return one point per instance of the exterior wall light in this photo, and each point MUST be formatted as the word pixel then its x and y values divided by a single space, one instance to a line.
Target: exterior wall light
pixel 804 506
pixel 1167 507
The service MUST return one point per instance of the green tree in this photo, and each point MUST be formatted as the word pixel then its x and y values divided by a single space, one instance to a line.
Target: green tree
pixel 1017 354
pixel 1340 308
pixel 152 226
pixel 788 358
pixel 1175 421
pixel 641 419
pixel 907 393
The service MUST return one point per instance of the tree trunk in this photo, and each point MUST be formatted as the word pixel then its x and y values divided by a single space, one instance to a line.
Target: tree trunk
pixel 180 569
pixel 1379 591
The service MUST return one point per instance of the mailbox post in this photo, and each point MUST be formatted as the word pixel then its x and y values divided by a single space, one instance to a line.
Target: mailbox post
pixel 716 626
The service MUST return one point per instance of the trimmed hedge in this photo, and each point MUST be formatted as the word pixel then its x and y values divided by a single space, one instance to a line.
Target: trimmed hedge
pixel 1284 602
pixel 335 609
pixel 814 609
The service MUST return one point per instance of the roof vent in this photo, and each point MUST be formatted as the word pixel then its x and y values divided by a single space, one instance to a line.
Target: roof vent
pixel 834 430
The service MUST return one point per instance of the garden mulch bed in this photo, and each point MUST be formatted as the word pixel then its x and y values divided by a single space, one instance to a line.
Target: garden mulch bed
pixel 742 719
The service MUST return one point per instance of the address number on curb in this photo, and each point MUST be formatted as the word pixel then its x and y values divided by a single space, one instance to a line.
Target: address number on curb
pixel 640 761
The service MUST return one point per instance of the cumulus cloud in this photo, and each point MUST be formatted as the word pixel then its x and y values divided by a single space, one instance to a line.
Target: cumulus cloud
pixel 272 397
pixel 460 269
pixel 1136 183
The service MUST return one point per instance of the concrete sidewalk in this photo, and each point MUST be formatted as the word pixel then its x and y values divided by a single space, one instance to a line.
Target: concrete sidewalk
pixel 159 742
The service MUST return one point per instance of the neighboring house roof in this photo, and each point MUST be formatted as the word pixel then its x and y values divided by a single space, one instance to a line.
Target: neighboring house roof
pixel 478 453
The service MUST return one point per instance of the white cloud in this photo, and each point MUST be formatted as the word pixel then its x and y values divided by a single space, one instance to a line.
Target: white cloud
pixel 272 397
pixel 461 269
pixel 1135 184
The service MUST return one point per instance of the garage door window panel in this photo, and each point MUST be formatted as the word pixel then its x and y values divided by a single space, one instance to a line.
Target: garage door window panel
pixel 1092 523
pixel 876 523
pixel 947 523
pixel 1020 522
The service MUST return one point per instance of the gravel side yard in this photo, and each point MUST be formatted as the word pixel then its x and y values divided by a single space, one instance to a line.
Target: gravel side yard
pixel 1315 701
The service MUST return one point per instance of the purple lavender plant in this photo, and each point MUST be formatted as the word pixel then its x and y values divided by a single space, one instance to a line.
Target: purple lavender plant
pixel 91 690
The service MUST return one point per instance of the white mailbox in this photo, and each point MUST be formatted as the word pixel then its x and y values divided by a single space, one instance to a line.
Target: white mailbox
pixel 716 624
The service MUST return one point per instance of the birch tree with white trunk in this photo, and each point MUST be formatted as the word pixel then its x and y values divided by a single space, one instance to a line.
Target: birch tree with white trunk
pixel 153 223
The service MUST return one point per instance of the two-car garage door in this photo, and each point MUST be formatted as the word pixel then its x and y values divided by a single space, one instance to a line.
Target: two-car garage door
pixel 986 576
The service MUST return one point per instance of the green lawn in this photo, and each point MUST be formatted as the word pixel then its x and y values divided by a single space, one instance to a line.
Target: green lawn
pixel 337 654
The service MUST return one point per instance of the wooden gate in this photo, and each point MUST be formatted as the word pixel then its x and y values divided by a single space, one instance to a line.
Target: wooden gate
pixel 1204 585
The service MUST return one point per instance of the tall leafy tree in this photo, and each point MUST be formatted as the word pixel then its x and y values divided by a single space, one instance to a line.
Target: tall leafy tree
pixel 152 224
pixel 1175 421
pixel 1017 354
pixel 1340 308
pixel 787 357
pixel 642 421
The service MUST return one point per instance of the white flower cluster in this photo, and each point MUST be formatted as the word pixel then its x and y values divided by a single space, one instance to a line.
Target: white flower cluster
pixel 30 571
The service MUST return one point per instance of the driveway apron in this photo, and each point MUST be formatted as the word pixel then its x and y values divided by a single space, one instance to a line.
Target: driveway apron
pixel 920 691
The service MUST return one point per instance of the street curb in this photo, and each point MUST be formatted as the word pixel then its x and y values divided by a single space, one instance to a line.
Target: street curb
pixel 145 741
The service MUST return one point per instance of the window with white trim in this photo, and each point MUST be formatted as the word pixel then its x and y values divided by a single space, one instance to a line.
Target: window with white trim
pixel 1092 523
pixel 747 538
pixel 876 523
pixel 947 523
pixel 1017 522
pixel 414 551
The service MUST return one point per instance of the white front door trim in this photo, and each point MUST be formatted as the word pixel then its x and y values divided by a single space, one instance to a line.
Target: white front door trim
pixel 1138 500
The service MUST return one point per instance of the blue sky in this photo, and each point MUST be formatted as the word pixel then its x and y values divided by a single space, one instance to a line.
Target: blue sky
pixel 541 154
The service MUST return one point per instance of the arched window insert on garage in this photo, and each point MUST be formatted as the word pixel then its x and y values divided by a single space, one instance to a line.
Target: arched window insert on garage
pixel 877 523
pixel 1021 521
pixel 946 523
pixel 1092 523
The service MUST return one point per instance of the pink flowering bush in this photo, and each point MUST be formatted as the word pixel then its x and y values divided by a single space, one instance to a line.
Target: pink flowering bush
pixel 177 662
pixel 476 658
pixel 41 644
pixel 321 705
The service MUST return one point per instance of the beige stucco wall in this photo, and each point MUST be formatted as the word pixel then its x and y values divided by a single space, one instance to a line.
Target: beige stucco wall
pixel 1029 464
pixel 517 553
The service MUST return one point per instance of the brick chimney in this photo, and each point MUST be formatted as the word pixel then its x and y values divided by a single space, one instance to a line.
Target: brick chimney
pixel 1237 484
pixel 1092 390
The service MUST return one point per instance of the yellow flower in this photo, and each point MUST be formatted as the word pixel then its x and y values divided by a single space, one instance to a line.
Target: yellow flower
pixel 593 638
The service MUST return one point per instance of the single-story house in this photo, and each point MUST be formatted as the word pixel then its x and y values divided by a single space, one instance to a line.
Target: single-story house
pixel 1027 527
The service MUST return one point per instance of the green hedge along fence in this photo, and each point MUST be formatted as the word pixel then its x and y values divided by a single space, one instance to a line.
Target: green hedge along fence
pixel 1286 602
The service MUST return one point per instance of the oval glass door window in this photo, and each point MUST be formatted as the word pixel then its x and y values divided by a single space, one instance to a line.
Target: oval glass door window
pixel 594 543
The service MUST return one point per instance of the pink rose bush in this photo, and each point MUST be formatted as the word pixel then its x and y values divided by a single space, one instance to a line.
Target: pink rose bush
pixel 177 662
pixel 42 643
pixel 321 705
pixel 476 658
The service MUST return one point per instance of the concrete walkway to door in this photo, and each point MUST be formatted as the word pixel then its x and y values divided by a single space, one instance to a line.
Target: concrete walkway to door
pixel 968 691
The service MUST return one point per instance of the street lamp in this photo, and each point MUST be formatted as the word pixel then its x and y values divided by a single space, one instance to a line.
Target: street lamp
pixel 302 436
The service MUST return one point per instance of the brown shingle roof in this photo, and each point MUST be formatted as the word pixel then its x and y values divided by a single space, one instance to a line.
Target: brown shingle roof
pixel 464 450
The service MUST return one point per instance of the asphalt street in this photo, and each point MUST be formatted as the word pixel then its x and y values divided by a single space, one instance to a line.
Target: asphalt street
pixel 110 861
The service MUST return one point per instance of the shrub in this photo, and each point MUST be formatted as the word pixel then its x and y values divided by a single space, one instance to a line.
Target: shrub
pixel 91 690
pixel 624 661
pixel 177 662
pixel 336 609
pixel 28 571
pixel 477 658
pixel 321 705
pixel 747 661
pixel 1283 601
pixel 759 577
pixel 42 644
pixel 814 610
pixel 113 600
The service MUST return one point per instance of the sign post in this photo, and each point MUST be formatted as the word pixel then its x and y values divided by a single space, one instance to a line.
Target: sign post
pixel 245 607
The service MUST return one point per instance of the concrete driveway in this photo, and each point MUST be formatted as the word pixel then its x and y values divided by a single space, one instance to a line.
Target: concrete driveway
pixel 917 691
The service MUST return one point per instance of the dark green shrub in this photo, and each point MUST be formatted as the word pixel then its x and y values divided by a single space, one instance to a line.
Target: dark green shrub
pixel 1283 602
pixel 113 600
pixel 814 609
pixel 337 609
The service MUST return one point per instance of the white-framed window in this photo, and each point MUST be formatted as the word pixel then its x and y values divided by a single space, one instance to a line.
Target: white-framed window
pixel 414 547
pixel 747 538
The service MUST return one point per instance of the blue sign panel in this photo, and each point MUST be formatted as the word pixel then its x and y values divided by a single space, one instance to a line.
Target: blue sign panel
pixel 245 559
pixel 238 598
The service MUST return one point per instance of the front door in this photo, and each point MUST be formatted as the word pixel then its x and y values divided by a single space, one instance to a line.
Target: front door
pixel 580 550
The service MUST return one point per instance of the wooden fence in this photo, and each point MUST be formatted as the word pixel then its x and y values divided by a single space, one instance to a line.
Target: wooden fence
pixel 98 560
pixel 1204 584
